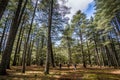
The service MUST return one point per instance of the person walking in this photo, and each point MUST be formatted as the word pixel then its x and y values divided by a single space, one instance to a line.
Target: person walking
pixel 75 66
pixel 60 65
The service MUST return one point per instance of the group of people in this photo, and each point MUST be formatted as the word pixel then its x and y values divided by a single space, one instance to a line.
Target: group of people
pixel 68 65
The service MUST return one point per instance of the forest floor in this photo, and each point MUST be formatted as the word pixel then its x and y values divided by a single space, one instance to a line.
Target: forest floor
pixel 37 73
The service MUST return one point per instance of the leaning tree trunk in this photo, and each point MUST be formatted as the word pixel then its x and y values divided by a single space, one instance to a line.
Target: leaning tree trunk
pixel 26 43
pixel 114 53
pixel 3 34
pixel 19 48
pixel 17 45
pixel 117 37
pixel 3 5
pixel 9 45
pixel 96 48
pixel 19 21
pixel 116 24
pixel 49 38
pixel 109 59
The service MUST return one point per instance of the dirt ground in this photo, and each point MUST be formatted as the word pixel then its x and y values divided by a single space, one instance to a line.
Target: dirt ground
pixel 37 73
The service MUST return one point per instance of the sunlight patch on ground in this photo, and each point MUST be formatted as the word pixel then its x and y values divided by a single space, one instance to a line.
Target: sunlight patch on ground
pixel 34 72
pixel 116 72
pixel 37 73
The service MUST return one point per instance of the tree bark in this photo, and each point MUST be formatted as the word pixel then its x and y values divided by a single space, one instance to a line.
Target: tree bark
pixel 69 51
pixel 98 58
pixel 110 61
pixel 83 55
pixel 26 43
pixel 41 50
pixel 20 33
pixel 18 23
pixel 52 56
pixel 17 45
pixel 3 34
pixel 89 55
pixel 49 38
pixel 30 53
pixel 9 45
pixel 19 48
pixel 114 53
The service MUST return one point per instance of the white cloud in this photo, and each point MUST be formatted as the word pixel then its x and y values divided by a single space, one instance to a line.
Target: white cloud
pixel 77 5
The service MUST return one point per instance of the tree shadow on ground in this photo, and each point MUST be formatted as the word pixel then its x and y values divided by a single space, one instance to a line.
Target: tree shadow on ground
pixel 91 74
pixel 37 73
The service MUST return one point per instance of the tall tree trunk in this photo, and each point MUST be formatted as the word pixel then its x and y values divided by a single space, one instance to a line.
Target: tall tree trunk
pixel 3 34
pixel 97 54
pixel 23 55
pixel 89 55
pixel 26 43
pixel 30 53
pixel 114 49
pixel 52 56
pixel 110 61
pixel 9 45
pixel 6 36
pixel 19 21
pixel 69 51
pixel 17 45
pixel 4 41
pixel 41 51
pixel 114 53
pixel 83 55
pixel 117 38
pixel 37 52
pixel 102 57
pixel 49 38
pixel 3 5
pixel 19 48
